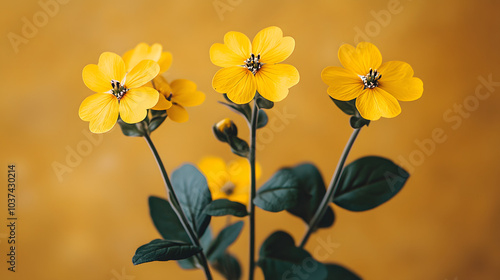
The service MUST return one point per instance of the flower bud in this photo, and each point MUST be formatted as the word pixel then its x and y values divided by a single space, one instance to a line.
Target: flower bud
pixel 225 129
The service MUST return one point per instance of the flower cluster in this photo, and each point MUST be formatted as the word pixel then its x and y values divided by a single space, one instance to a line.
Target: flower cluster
pixel 128 86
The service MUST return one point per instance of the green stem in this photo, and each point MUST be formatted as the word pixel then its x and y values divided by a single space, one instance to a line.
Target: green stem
pixel 331 189
pixel 176 206
pixel 251 211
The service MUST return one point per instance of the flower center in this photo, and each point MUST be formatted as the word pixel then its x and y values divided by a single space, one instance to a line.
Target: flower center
pixel 371 79
pixel 228 188
pixel 253 63
pixel 118 89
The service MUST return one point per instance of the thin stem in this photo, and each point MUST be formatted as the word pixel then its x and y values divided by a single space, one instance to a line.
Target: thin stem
pixel 331 189
pixel 174 202
pixel 251 211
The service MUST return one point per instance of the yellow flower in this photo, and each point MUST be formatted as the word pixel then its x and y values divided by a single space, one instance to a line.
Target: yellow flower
pixel 377 87
pixel 175 96
pixel 251 67
pixel 230 181
pixel 118 92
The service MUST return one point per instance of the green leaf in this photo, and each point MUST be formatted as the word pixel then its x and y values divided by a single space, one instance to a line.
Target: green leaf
pixel 223 207
pixel 192 262
pixel 132 130
pixel 157 118
pixel 228 266
pixel 243 109
pixel 338 272
pixel 193 194
pixel 225 238
pixel 262 119
pixel 348 107
pixel 280 259
pixel 311 191
pixel 238 146
pixel 166 221
pixel 369 182
pixel 263 103
pixel 164 250
pixel 358 122
pixel 279 193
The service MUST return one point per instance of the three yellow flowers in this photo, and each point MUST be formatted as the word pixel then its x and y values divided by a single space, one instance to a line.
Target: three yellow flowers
pixel 129 86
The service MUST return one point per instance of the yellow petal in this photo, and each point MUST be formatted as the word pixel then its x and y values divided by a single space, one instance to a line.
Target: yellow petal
pixel 161 85
pixel 361 58
pixel 376 103
pixel 273 81
pixel 343 83
pixel 134 104
pixel 95 80
pixel 222 56
pixel 271 45
pixel 165 61
pixel 237 82
pixel 112 66
pixel 142 52
pixel 177 113
pixel 101 109
pixel 242 197
pixel 185 93
pixel 142 73
pixel 395 70
pixel 163 103
pixel 408 89
pixel 238 43
pixel 214 169
pixel 127 58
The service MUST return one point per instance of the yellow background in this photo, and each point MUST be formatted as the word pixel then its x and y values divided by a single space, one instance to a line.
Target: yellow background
pixel 443 225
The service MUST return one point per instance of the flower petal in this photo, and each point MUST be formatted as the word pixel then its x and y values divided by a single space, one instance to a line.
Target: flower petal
pixel 238 43
pixel 95 80
pixel 101 109
pixel 163 103
pixel 185 93
pixel 222 56
pixel 165 61
pixel 343 83
pixel 214 169
pixel 237 82
pixel 408 89
pixel 395 70
pixel 273 80
pixel 271 45
pixel 134 104
pixel 360 59
pixel 142 73
pixel 177 113
pixel 112 66
pixel 376 103
pixel 142 52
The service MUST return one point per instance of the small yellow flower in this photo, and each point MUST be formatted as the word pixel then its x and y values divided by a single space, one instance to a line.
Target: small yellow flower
pixel 230 181
pixel 251 67
pixel 376 87
pixel 118 92
pixel 175 96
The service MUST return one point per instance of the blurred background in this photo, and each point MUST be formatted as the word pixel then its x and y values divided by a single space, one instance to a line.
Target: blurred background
pixel 86 221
